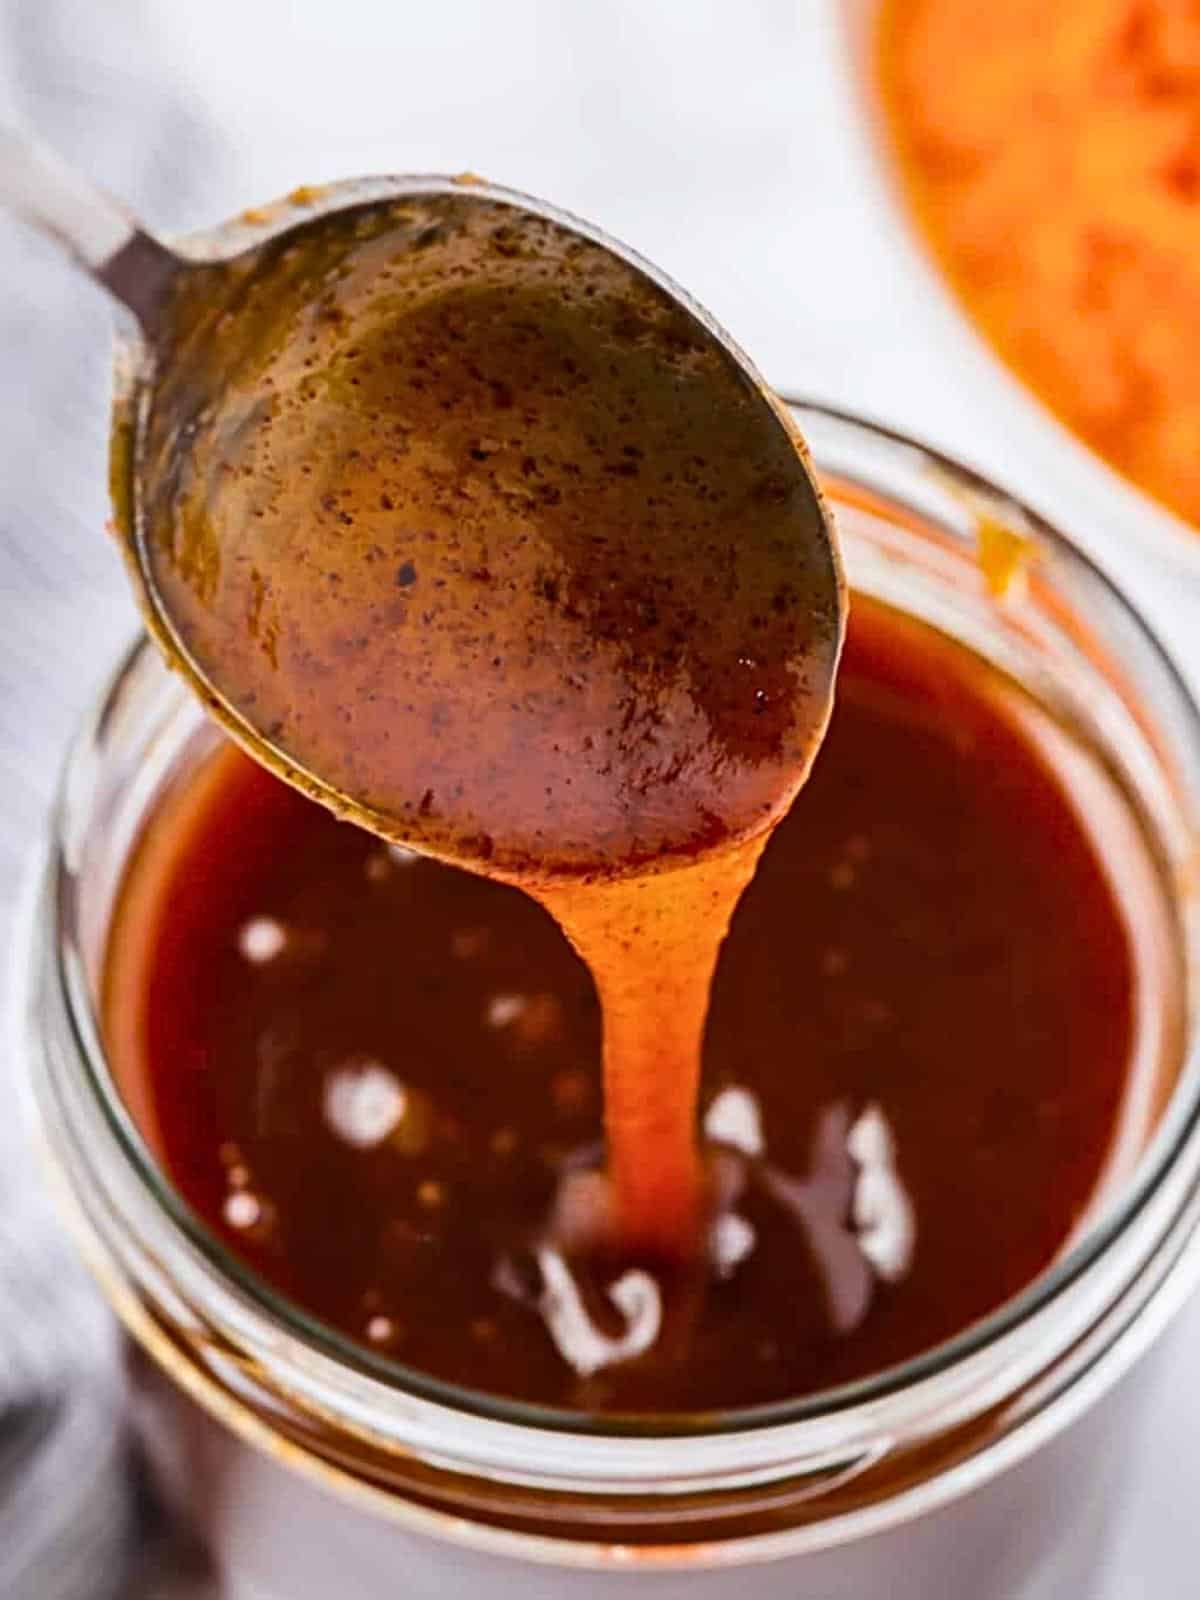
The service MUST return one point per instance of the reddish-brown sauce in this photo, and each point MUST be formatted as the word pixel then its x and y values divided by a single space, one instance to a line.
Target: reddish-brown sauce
pixel 472 521
pixel 930 948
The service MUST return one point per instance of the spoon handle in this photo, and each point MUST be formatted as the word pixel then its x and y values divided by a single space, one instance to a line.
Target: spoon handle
pixel 100 234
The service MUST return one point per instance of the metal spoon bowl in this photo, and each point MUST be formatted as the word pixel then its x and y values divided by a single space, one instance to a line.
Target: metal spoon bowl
pixel 517 683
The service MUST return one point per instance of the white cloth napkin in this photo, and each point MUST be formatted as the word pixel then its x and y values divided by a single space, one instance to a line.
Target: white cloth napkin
pixel 92 80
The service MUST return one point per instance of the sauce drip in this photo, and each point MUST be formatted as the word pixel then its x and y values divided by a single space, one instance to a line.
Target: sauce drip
pixel 652 945
pixel 502 556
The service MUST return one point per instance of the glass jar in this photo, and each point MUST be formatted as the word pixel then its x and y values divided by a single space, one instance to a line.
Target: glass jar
pixel 312 1466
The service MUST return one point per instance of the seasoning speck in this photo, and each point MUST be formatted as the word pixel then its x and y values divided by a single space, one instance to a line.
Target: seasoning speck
pixel 377 867
pixel 468 942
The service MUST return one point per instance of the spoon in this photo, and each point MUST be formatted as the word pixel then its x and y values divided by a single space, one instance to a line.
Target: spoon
pixel 463 518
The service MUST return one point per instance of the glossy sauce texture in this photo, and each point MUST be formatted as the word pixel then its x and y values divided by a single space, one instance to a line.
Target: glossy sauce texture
pixel 468 518
pixel 481 529
pixel 369 1072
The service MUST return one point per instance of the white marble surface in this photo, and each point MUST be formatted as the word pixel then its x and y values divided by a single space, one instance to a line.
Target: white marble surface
pixel 720 140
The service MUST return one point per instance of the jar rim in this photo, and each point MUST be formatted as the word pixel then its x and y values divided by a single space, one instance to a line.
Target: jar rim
pixel 825 1414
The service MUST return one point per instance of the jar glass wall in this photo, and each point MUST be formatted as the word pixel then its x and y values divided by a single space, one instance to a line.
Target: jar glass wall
pixel 310 1462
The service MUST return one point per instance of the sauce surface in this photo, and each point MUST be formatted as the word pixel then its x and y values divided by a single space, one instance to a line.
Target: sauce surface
pixel 373 1075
